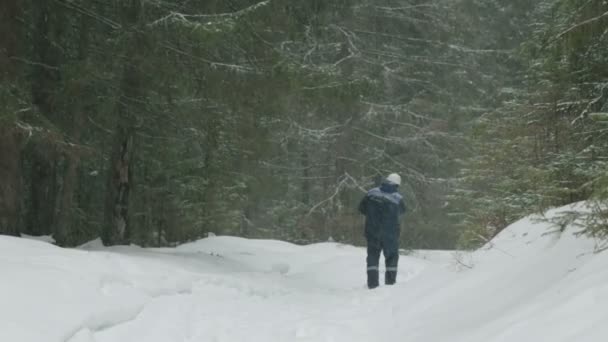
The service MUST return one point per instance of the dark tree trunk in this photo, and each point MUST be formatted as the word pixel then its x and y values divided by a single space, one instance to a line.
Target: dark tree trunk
pixel 10 164
pixel 120 183
pixel 8 37
pixel 10 181
pixel 41 213
pixel 45 78
pixel 305 164
pixel 70 180
pixel 72 158
pixel 119 188
pixel 45 73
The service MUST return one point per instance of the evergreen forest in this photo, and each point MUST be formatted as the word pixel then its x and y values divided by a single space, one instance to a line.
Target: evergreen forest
pixel 158 122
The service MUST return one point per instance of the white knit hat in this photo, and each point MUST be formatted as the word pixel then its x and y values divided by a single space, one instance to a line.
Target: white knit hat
pixel 394 178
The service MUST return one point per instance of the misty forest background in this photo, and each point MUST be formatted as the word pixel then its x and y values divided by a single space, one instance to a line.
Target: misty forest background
pixel 155 122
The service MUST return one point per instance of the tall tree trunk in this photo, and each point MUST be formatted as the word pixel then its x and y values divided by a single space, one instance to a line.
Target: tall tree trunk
pixel 120 183
pixel 305 165
pixel 70 177
pixel 8 37
pixel 45 72
pixel 44 80
pixel 41 213
pixel 10 181
pixel 10 170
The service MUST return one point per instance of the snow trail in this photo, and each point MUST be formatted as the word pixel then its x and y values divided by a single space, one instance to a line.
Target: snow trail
pixel 530 284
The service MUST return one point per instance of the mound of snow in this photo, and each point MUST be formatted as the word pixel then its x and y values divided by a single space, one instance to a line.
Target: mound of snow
pixel 41 238
pixel 93 245
pixel 533 282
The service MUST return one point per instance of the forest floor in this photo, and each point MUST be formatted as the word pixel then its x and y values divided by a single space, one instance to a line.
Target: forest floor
pixel 531 283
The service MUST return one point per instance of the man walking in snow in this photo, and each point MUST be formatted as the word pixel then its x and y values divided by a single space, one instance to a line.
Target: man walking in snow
pixel 382 207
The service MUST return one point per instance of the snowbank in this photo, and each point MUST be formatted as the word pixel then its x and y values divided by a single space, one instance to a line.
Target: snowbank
pixel 532 283
pixel 43 238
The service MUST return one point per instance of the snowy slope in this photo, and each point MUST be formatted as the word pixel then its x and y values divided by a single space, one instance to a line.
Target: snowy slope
pixel 530 284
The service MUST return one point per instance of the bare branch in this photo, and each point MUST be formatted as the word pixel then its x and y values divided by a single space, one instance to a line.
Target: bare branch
pixel 235 67
pixel 339 187
pixel 596 100
pixel 180 17
pixel 581 24
pixel 40 64
pixel 82 10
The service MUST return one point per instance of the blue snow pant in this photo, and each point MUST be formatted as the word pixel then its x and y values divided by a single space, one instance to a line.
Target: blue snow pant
pixel 390 247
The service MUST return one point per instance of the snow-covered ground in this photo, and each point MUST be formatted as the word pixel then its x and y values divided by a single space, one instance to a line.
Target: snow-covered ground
pixel 532 283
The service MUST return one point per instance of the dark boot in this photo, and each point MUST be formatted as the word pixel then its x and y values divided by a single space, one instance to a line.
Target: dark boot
pixel 390 277
pixel 372 279
pixel 373 258
pixel 392 260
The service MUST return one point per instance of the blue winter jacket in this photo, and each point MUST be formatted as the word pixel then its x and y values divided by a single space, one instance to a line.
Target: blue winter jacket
pixel 382 207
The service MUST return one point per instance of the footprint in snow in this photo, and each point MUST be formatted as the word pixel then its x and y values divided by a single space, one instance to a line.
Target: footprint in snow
pixel 280 268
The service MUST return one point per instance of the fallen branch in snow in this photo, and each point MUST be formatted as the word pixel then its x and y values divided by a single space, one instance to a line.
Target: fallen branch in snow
pixel 458 258
pixel 601 249
pixel 491 245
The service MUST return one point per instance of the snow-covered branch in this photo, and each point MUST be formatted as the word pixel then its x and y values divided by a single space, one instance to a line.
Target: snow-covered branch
pixel 75 6
pixel 213 64
pixel 583 23
pixel 188 18
pixel 318 134
pixel 586 111
pixel 343 183
pixel 353 51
